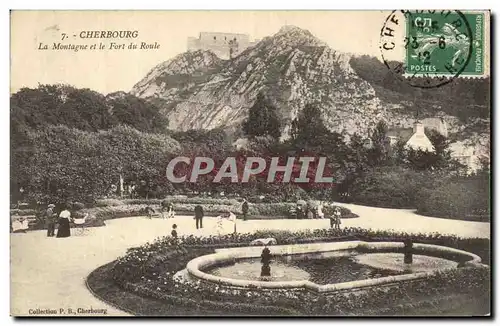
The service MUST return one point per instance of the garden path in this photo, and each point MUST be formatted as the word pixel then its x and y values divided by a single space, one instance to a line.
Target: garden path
pixel 50 272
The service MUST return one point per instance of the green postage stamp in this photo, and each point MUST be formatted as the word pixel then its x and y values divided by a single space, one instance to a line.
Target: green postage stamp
pixel 445 43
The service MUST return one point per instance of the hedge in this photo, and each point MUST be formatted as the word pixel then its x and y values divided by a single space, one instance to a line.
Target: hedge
pixel 460 199
pixel 201 304
pixel 432 193
pixel 256 211
pixel 172 199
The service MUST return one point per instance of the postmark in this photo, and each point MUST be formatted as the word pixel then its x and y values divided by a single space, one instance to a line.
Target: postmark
pixel 430 48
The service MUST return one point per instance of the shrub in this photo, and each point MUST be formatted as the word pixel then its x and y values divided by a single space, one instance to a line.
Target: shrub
pixel 142 201
pixel 393 187
pixel 108 202
pixel 466 199
pixel 180 200
pixel 207 208
pixel 276 209
pixel 116 211
pixel 257 211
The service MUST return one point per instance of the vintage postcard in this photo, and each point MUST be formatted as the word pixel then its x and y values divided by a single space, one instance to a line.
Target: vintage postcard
pixel 235 163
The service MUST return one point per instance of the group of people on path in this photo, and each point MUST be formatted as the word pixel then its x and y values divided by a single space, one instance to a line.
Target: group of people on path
pixel 335 218
pixel 230 216
pixel 57 224
pixel 334 214
pixel 62 221
pixel 199 214
pixel 168 212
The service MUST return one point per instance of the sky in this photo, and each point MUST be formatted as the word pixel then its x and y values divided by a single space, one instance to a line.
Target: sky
pixel 106 71
pixel 118 70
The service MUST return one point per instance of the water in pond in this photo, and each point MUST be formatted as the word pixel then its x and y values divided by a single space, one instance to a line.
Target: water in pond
pixel 328 268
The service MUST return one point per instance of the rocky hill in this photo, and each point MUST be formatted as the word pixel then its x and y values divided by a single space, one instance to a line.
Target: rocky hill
pixel 292 68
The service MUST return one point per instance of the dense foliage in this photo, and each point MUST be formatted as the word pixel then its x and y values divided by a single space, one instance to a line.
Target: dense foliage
pixel 460 198
pixel 263 119
pixel 63 164
pixel 84 109
pixel 67 145
pixel 112 208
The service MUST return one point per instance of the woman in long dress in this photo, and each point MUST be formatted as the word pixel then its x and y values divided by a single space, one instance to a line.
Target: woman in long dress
pixel 320 211
pixel 63 229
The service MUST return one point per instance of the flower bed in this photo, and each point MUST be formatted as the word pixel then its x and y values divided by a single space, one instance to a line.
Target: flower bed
pixel 111 208
pixel 149 271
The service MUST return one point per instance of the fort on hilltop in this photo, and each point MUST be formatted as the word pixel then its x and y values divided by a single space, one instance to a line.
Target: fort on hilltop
pixel 224 45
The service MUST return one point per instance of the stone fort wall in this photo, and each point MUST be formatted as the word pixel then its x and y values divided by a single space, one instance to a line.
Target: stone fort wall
pixel 220 43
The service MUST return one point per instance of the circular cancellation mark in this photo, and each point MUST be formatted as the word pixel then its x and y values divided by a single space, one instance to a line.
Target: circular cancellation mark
pixel 436 46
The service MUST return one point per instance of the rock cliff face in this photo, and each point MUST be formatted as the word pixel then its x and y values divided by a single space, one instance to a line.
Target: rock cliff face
pixel 292 68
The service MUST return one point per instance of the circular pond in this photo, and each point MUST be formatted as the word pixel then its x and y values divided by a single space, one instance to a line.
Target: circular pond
pixel 327 267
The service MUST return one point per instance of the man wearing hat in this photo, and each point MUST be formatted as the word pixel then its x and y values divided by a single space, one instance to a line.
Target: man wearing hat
pixel 50 220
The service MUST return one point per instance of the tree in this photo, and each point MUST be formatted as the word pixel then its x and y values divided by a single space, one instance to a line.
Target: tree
pixel 308 127
pixel 400 153
pixel 213 144
pixel 139 156
pixel 84 109
pixel 439 159
pixel 263 119
pixel 130 110
pixel 441 148
pixel 418 159
pixel 66 164
pixel 63 165
pixel 393 186
pixel 378 153
pixel 354 166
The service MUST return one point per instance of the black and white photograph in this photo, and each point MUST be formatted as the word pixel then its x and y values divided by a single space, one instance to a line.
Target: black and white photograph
pixel 250 163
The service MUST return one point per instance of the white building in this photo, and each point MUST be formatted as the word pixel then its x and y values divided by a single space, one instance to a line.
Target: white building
pixel 412 137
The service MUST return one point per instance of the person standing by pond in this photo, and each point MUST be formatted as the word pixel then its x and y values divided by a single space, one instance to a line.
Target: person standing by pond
pixel 64 219
pixel 50 220
pixel 320 212
pixel 337 220
pixel 198 216
pixel 331 217
pixel 232 218
pixel 331 214
pixel 174 231
pixel 244 209
pixel 310 211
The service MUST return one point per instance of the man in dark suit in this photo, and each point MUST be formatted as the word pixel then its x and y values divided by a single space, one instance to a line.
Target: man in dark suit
pixel 50 220
pixel 198 215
